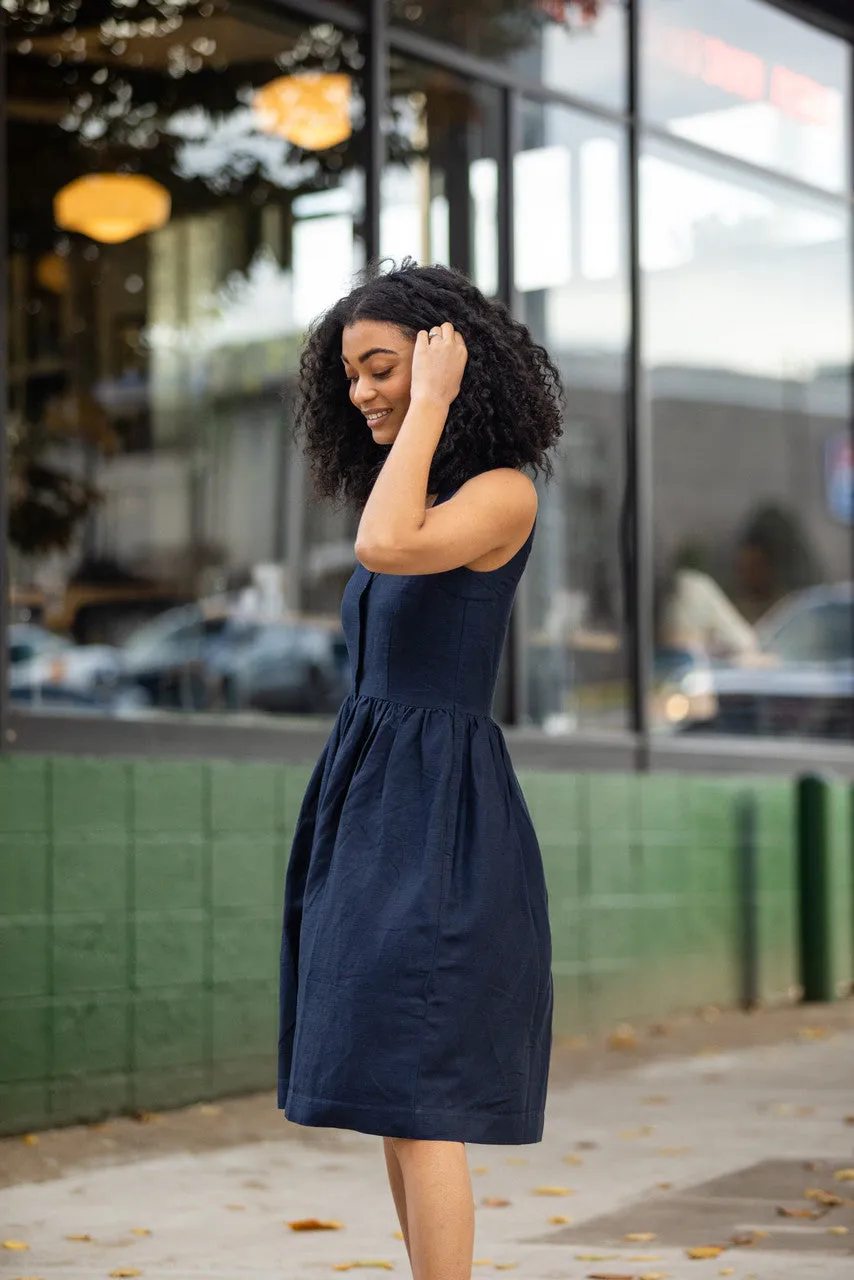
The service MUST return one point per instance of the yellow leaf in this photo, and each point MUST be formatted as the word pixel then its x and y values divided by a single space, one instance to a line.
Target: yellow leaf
pixel 727 1271
pixel 664 1186
pixel 823 1197
pixel 596 1257
pixel 705 1251
pixel 313 1224
pixel 364 1262
pixel 30 1139
pixel 398 1235
pixel 624 1038
pixel 235 1207
pixel 140 1231
pixel 559 1220
pixel 209 1109
pixel 553 1191
pixel 121 1272
pixel 83 1237
pixel 481 1262
pixel 494 1202
pixel 639 1237
pixel 481 1168
pixel 147 1117
pixel 15 1244
pixel 815 1033
pixel 505 1266
pixel 573 1160
pixel 844 1175
pixel 654 1275
pixel 837 1231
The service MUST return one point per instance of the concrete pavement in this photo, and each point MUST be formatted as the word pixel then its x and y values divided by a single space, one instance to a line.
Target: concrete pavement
pixel 694 1150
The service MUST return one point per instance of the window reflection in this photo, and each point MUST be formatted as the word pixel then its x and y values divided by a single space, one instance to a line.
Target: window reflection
pixel 575 46
pixel 440 186
pixel 159 548
pixel 748 337
pixel 572 292
pixel 741 77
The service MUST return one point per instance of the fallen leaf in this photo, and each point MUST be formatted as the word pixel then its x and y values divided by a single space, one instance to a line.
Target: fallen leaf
pixel 83 1237
pixel 313 1224
pixel 623 1038
pixel 743 1240
pixel 609 1275
pixel 140 1231
pixel 517 1160
pixel 823 1197
pixel 560 1220
pixel 573 1160
pixel 481 1262
pixel 664 1186
pixel 705 1251
pixel 783 1212
pixel 553 1191
pixel 596 1257
pixel 15 1244
pixel 235 1208
pixel 121 1272
pixel 146 1117
pixel 364 1262
pixel 654 1275
pixel 505 1266
pixel 481 1168
pixel 209 1109
pixel 844 1175
pixel 30 1139
pixel 837 1231
pixel 727 1271
pixel 494 1202
pixel 398 1235
pixel 815 1033
pixel 639 1237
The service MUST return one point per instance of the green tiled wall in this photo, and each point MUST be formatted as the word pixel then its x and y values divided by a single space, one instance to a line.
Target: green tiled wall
pixel 140 910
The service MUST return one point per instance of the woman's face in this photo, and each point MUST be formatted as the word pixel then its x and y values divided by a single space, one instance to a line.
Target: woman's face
pixel 378 362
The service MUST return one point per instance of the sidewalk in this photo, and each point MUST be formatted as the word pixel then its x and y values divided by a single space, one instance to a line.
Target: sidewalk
pixel 693 1145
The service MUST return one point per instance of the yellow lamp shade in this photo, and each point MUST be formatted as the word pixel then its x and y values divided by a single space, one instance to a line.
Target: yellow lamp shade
pixel 310 109
pixel 112 207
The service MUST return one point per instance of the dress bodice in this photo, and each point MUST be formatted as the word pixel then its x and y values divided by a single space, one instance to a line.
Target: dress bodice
pixel 433 639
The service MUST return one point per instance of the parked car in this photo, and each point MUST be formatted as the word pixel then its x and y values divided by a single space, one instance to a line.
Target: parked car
pixel 287 667
pixel 803 685
pixel 209 655
pixel 50 671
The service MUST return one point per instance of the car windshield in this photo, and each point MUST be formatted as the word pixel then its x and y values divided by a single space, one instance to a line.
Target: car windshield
pixel 822 632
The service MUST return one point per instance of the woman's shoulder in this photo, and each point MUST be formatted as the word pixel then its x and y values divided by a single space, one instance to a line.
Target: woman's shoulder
pixel 505 483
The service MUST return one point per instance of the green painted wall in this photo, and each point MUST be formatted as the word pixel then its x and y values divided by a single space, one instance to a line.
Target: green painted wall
pixel 140 909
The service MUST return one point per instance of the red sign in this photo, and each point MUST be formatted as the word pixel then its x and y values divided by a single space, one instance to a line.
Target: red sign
pixel 744 75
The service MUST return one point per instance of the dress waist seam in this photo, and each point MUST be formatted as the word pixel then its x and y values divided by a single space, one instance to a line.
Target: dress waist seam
pixel 452 707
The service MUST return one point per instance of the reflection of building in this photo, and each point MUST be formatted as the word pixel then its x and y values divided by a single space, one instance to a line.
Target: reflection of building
pixel 153 350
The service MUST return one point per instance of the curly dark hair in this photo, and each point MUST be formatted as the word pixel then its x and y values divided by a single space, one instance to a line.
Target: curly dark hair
pixel 508 412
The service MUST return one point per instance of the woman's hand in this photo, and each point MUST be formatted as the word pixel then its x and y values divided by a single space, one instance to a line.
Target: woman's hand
pixel 438 362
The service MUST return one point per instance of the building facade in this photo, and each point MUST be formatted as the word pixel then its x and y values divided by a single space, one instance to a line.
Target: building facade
pixel 662 191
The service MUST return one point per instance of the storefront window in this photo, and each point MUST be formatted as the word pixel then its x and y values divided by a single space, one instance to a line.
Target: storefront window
pixel 440 187
pixel 570 254
pixel 575 46
pixel 748 345
pixel 185 193
pixel 743 78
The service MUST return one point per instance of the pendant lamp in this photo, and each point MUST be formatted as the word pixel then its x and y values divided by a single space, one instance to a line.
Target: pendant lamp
pixel 311 109
pixel 112 207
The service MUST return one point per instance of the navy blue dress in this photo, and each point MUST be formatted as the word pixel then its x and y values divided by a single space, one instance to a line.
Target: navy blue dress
pixel 416 986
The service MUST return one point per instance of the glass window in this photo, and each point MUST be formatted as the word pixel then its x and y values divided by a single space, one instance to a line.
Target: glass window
pixel 185 194
pixel 748 345
pixel 575 46
pixel 741 77
pixel 570 239
pixel 440 187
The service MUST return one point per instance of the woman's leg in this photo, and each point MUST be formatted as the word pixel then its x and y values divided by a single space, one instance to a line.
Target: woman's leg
pixel 398 1191
pixel 438 1207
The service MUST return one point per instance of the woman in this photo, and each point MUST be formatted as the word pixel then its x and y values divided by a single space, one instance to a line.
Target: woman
pixel 416 991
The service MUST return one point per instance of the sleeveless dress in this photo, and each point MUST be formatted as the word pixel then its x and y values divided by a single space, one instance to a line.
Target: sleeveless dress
pixel 416 989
